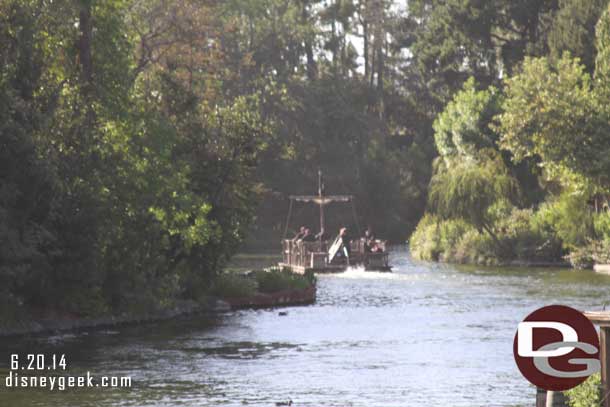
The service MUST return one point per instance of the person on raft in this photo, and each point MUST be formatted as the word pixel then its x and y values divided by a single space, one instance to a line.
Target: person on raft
pixel 308 236
pixel 370 242
pixel 345 244
pixel 299 234
pixel 322 235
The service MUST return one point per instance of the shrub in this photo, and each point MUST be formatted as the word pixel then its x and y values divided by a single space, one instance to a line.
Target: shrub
pixel 601 224
pixel 522 234
pixel 596 251
pixel 570 218
pixel 587 394
pixel 476 248
pixel 425 240
pixel 233 285
pixel 450 234
pixel 581 258
pixel 274 280
pixel 600 251
pixel 528 238
pixel 436 239
pixel 452 241
pixel 84 301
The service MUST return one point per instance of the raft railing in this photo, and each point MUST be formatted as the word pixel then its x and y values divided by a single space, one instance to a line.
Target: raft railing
pixel 315 254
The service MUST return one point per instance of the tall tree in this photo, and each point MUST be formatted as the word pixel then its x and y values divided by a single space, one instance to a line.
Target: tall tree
pixel 573 30
pixel 552 112
pixel 457 39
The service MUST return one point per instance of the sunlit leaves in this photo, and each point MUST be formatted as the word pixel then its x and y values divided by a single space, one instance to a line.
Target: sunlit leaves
pixel 463 127
pixel 552 112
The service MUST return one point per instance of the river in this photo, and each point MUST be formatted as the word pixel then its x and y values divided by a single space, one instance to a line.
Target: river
pixel 424 335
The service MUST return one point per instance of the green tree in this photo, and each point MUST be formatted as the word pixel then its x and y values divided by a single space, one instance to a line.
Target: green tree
pixel 127 181
pixel 551 112
pixel 457 39
pixel 463 128
pixel 602 63
pixel 573 30
pixel 466 189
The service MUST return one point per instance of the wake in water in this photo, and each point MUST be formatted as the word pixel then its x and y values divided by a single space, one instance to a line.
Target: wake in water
pixel 359 273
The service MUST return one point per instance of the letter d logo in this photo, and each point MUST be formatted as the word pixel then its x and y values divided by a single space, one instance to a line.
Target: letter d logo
pixel 526 339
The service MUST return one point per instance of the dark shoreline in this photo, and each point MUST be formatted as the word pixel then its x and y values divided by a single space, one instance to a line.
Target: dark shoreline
pixel 41 326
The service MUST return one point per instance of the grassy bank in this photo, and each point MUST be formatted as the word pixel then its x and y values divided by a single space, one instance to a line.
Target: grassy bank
pixel 234 284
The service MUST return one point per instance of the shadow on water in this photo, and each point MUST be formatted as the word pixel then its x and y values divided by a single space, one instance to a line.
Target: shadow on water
pixel 238 350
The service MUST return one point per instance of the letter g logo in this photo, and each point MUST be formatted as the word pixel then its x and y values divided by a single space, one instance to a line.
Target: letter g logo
pixel 556 348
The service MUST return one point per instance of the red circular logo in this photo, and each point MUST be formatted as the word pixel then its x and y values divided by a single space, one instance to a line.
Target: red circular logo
pixel 556 348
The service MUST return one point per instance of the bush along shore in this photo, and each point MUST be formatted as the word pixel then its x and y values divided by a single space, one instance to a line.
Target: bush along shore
pixel 522 171
pixel 523 238
pixel 587 394
pixel 266 288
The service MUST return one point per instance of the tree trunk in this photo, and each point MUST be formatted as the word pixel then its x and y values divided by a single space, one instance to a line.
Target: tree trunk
pixel 312 69
pixel 494 237
pixel 85 59
pixel 380 68
pixel 84 45
pixel 365 32
pixel 334 38
pixel 372 72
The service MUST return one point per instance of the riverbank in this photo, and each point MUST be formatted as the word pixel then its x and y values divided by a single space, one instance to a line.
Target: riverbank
pixel 517 237
pixel 256 289
pixel 30 324
pixel 517 241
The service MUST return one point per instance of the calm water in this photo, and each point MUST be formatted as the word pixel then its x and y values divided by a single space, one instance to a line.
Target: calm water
pixel 425 335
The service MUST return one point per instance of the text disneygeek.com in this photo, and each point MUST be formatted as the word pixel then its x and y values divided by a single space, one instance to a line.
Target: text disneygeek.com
pixel 27 372
pixel 15 380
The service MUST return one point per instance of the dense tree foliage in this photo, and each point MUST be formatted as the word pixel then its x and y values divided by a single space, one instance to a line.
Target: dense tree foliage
pixel 122 186
pixel 573 28
pixel 552 112
pixel 551 126
pixel 467 189
pixel 463 128
pixel 143 141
